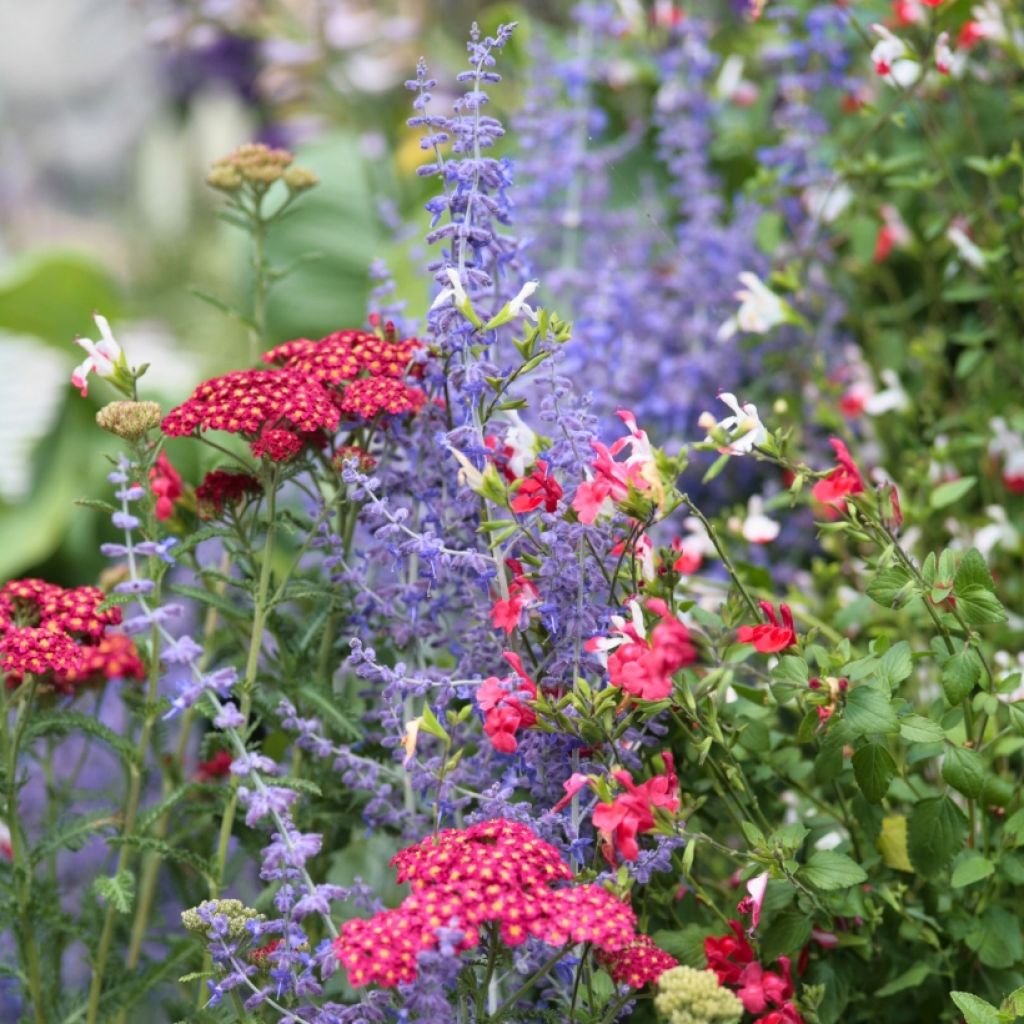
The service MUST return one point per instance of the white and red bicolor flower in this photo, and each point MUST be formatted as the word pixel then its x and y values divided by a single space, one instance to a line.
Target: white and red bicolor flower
pixel 1008 445
pixel 760 309
pixel 612 477
pixel 965 248
pixel 892 234
pixel 6 849
pixel 893 59
pixel 744 428
pixel 104 357
pixel 751 903
pixel 756 527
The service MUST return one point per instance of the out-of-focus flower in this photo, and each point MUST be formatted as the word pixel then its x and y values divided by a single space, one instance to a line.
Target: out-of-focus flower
pixel 756 527
pixel 773 636
pixel 892 234
pixel 743 430
pixel 966 249
pixel 1008 445
pixel 893 60
pixel 731 85
pixel 760 309
pixel 165 483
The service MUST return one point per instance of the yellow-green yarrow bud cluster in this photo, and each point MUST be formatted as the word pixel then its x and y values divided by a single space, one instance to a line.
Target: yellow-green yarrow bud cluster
pixel 259 165
pixel 237 913
pixel 129 420
pixel 688 996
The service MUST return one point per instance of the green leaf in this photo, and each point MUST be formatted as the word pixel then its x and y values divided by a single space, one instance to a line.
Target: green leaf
pixel 70 835
pixel 936 831
pixel 996 938
pixel 980 606
pixel 896 664
pixel 948 493
pixel 430 724
pixel 887 585
pixel 827 870
pixel 973 572
pixel 786 935
pixel 119 890
pixel 959 674
pixel 971 868
pixel 910 978
pixel 211 599
pixel 975 1009
pixel 873 768
pixel 918 729
pixel 869 712
pixel 60 723
pixel 964 770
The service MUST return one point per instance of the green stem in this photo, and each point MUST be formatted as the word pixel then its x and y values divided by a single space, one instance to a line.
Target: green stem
pixel 509 1004
pixel 24 930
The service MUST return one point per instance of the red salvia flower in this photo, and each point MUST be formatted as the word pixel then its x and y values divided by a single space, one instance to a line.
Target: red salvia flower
pixel 538 489
pixel 844 480
pixel 165 483
pixel 773 636
pixel 631 813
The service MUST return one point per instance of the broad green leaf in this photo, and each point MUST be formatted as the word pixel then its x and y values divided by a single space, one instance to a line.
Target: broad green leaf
pixel 887 585
pixel 980 606
pixel 964 770
pixel 896 664
pixel 975 1009
pixel 948 493
pixel 959 674
pixel 918 729
pixel 996 938
pixel 869 712
pixel 973 571
pixel 910 978
pixel 874 768
pixel 786 935
pixel 935 834
pixel 827 870
pixel 971 868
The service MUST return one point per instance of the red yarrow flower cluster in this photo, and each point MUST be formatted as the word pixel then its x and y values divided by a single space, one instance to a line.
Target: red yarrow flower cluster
pixel 643 666
pixel 771 636
pixel 46 630
pixel 496 872
pixel 632 812
pixel 114 657
pixel 638 964
pixel 277 411
pixel 503 706
pixel 843 481
pixel 221 488
pixel 165 483
pixel 732 959
pixel 365 371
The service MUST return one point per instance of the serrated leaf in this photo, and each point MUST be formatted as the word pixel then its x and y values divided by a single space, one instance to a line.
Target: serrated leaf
pixel 869 712
pixel 827 870
pixel 896 664
pixel 996 938
pixel 979 606
pixel 936 831
pixel 61 723
pixel 873 768
pixel 975 1009
pixel 118 890
pixel 892 843
pixel 950 492
pixel 970 869
pixel 918 729
pixel 964 770
pixel 973 571
pixel 887 585
pixel 959 674
pixel 211 599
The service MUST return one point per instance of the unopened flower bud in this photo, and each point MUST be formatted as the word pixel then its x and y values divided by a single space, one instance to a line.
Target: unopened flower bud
pixel 235 912
pixel 298 179
pixel 224 177
pixel 129 420
pixel 780 407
